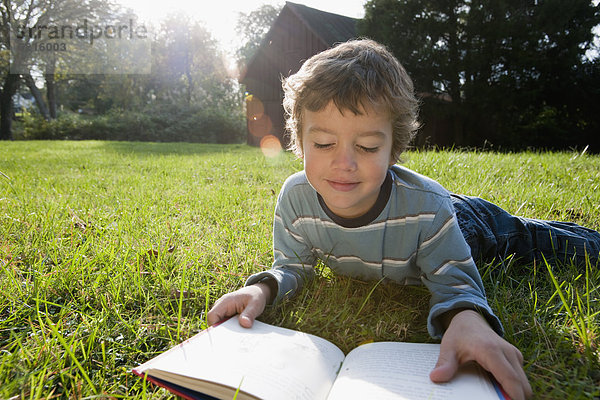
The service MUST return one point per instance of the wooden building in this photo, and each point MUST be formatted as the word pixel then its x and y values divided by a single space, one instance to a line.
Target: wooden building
pixel 298 33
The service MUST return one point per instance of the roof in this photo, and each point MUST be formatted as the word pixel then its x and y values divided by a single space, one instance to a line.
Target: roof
pixel 328 27
pixel 331 28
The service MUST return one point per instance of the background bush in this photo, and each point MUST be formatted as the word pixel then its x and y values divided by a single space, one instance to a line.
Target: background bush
pixel 157 123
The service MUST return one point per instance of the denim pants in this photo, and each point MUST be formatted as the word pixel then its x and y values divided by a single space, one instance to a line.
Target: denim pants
pixel 493 233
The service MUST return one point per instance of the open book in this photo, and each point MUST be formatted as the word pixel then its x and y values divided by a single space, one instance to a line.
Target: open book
pixel 268 362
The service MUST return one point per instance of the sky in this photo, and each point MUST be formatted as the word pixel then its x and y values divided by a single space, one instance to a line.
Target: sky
pixel 220 16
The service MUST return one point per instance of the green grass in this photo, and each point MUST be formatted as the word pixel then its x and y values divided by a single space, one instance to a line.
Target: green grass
pixel 111 253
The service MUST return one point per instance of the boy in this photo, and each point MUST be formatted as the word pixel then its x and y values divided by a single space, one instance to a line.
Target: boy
pixel 351 113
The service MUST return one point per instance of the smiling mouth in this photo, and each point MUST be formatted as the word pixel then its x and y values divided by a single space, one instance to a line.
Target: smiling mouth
pixel 342 186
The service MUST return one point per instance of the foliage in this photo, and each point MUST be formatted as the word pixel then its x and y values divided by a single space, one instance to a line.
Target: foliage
pixel 252 27
pixel 188 97
pixel 21 16
pixel 185 63
pixel 158 122
pixel 188 70
pixel 188 74
pixel 507 65
pixel 111 253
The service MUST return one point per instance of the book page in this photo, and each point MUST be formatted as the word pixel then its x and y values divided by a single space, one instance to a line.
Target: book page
pixel 396 370
pixel 265 361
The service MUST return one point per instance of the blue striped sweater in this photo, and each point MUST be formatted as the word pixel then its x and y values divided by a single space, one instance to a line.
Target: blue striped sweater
pixel 411 236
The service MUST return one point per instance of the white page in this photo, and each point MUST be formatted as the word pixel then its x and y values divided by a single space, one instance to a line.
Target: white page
pixel 266 361
pixel 394 370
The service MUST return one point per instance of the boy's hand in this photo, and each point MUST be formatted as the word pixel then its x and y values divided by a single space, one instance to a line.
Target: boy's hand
pixel 249 302
pixel 470 338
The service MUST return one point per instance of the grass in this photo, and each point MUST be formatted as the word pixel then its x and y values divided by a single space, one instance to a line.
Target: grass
pixel 111 253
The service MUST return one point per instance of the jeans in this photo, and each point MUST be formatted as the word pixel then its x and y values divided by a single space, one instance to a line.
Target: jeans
pixel 493 233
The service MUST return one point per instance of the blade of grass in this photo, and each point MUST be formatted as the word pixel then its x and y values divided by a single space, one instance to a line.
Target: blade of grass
pixel 70 353
pixel 369 296
pixel 581 331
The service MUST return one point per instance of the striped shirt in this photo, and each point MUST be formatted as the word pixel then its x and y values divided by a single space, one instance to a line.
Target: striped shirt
pixel 411 236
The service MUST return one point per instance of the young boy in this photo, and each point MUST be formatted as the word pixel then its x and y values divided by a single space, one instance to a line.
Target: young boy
pixel 351 113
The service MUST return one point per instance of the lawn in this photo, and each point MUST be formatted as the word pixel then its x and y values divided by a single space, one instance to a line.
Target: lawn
pixel 112 252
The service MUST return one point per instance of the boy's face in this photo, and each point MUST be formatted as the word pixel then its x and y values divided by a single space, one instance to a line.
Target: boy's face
pixel 346 156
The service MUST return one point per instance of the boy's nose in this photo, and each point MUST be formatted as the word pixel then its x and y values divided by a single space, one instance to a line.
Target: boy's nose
pixel 344 158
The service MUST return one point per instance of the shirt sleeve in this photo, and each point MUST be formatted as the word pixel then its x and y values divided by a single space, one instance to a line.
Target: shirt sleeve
pixel 293 257
pixel 449 272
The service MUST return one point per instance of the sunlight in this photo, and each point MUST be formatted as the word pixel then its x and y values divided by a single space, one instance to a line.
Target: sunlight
pixel 220 17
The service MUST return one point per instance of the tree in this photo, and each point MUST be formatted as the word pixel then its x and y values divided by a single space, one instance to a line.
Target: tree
pixel 507 64
pixel 37 95
pixel 10 81
pixel 23 23
pixel 188 70
pixel 252 27
pixel 186 63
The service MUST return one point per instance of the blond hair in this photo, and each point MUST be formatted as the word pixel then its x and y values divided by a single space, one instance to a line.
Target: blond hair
pixel 354 75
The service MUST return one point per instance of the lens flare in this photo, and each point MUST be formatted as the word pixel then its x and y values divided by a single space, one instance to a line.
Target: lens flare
pixel 254 108
pixel 259 123
pixel 261 126
pixel 270 146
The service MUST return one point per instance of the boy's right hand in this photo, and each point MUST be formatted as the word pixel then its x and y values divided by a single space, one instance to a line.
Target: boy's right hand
pixel 249 302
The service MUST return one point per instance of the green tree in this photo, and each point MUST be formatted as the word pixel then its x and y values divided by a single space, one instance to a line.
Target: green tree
pixel 252 27
pixel 513 69
pixel 187 63
pixel 188 72
pixel 10 81
pixel 22 22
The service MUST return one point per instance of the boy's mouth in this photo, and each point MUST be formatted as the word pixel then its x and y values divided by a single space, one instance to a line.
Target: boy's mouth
pixel 342 186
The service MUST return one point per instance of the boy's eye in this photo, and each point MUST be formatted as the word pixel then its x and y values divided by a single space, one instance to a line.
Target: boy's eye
pixel 369 149
pixel 322 145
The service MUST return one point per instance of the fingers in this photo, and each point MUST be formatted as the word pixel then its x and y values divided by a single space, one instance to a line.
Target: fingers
pixel 249 302
pixel 507 368
pixel 220 311
pixel 470 338
pixel 446 367
pixel 252 310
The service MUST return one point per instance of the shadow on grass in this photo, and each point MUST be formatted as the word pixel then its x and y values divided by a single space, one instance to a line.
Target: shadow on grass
pixel 350 312
pixel 148 149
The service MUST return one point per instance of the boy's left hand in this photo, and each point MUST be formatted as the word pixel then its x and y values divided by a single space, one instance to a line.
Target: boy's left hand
pixel 470 338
